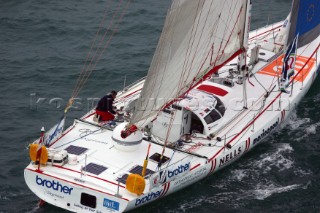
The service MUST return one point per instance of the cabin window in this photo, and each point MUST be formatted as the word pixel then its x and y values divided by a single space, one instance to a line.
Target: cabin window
pixel 212 116
pixel 88 200
pixel 216 113
pixel 220 107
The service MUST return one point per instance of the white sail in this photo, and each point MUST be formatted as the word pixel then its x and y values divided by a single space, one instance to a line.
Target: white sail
pixel 199 36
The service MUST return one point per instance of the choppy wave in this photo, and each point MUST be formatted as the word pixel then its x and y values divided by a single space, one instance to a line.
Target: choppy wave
pixel 297 124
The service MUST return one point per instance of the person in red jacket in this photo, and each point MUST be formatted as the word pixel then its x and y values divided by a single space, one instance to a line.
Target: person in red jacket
pixel 105 109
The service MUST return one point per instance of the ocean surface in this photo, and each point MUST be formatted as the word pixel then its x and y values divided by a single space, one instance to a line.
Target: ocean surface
pixel 43 46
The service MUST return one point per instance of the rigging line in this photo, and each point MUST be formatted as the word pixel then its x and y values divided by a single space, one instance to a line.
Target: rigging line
pixel 169 22
pixel 92 132
pixel 155 141
pixel 190 44
pixel 201 35
pixel 108 42
pixel 167 25
pixel 254 75
pixel 167 136
pixel 218 57
pixel 227 22
pixel 92 44
pixel 242 115
pixel 155 65
pixel 301 69
pixel 167 34
pixel 233 29
pixel 88 71
pixel 213 30
pixel 220 46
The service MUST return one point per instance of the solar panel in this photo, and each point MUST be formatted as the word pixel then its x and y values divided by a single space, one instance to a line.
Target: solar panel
pixel 135 170
pixel 123 179
pixel 76 150
pixel 94 168
pixel 138 170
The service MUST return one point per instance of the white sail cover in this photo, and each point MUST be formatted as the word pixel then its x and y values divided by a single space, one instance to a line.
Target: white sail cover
pixel 198 37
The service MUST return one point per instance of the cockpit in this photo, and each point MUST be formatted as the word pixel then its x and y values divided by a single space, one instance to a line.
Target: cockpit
pixel 198 112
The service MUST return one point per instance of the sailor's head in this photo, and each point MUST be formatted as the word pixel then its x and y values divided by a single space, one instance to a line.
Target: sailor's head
pixel 113 93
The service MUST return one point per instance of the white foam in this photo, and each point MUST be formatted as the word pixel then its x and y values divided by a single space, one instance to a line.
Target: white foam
pixel 312 129
pixel 239 174
pixel 294 122
pixel 266 191
pixel 275 159
pixel 4 197
pixel 260 192
pixel 300 172
pixel 190 205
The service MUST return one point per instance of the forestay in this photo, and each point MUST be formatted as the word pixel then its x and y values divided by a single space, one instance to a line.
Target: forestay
pixel 198 36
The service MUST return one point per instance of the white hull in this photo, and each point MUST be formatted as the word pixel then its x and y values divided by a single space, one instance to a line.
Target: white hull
pixel 242 129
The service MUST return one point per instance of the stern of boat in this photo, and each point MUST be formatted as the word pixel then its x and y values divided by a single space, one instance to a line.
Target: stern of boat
pixel 71 193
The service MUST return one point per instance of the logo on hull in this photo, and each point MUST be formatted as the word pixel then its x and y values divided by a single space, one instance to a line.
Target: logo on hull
pixel 110 204
pixel 55 185
pixel 148 197
pixel 265 132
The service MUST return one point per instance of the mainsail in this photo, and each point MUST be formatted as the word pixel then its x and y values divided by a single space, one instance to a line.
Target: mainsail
pixel 198 37
pixel 305 21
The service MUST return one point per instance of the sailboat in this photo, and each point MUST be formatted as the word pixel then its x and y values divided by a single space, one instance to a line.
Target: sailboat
pixel 214 91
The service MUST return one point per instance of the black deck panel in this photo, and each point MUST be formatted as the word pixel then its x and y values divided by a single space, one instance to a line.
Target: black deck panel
pixel 76 150
pixel 94 168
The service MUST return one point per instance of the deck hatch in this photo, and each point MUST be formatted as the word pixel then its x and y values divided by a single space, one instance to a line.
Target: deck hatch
pixel 94 168
pixel 76 150
pixel 156 157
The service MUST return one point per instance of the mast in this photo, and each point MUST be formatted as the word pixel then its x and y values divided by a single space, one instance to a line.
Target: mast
pixel 242 63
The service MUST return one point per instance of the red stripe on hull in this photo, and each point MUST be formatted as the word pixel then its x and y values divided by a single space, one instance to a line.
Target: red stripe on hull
pixel 246 127
pixel 195 167
pixel 71 170
pixel 75 183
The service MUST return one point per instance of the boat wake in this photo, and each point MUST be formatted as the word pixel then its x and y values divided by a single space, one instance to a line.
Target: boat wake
pixel 253 179
pixel 300 128
pixel 264 191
